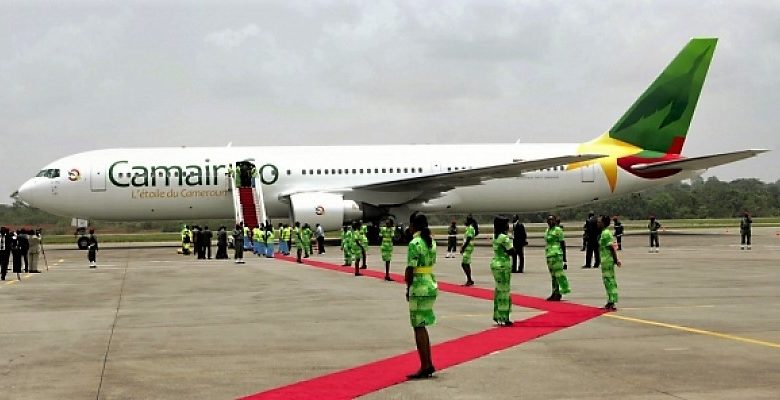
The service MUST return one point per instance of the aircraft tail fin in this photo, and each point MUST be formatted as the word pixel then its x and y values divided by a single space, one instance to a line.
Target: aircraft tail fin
pixel 660 117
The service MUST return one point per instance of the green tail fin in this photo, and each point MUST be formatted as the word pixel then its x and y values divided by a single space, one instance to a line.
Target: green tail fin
pixel 660 118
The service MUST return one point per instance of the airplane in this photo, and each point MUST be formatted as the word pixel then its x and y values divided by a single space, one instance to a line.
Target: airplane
pixel 331 185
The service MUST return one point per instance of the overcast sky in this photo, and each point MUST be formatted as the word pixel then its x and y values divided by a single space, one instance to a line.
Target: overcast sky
pixel 85 75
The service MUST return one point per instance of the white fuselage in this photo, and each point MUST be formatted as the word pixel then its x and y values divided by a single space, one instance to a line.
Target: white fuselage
pixel 187 183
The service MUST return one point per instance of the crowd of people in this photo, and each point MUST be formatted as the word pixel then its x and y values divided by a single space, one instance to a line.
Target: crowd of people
pixel 263 240
pixel 21 249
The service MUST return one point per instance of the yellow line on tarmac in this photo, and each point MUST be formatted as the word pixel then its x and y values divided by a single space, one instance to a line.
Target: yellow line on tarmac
pixel 694 330
pixel 664 307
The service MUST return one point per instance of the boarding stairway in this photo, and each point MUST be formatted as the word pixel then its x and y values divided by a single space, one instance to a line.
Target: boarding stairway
pixel 248 205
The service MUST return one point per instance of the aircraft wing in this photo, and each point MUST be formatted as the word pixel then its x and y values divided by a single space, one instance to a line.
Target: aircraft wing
pixel 698 163
pixel 444 181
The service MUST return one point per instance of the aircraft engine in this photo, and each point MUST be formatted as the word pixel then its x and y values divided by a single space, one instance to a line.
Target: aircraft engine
pixel 327 209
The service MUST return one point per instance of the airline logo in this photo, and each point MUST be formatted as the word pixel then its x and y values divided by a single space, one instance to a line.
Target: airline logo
pixel 123 174
pixel 623 155
pixel 319 210
pixel 74 175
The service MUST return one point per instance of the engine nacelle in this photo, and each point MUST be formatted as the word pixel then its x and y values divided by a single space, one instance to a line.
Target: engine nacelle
pixel 327 209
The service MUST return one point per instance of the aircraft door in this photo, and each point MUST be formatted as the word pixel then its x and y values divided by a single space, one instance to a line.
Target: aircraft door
pixel 97 179
pixel 588 173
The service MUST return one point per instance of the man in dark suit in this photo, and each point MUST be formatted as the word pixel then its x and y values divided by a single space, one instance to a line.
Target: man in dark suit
pixel 207 235
pixel 591 242
pixel 6 243
pixel 519 241
pixel 24 247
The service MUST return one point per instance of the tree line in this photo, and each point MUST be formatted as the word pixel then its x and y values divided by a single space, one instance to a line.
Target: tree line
pixel 696 198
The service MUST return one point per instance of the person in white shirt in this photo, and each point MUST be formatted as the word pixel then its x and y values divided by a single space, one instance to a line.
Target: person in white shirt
pixel 319 235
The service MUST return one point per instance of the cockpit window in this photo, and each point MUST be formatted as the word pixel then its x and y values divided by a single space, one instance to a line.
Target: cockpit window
pixel 49 173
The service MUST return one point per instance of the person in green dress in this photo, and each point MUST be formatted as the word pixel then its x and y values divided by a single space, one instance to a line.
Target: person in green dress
pixel 501 267
pixel 467 249
pixel 609 259
pixel 421 290
pixel 387 233
pixel 298 233
pixel 363 242
pixel 555 252
pixel 357 246
pixel 306 235
pixel 346 247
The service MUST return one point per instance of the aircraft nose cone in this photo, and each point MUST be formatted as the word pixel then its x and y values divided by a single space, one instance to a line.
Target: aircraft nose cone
pixel 30 192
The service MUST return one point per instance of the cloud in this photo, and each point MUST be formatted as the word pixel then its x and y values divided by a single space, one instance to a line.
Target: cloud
pixel 232 38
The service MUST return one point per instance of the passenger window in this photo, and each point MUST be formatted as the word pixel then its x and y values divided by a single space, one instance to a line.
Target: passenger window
pixel 319 171
pixel 383 170
pixel 339 170
pixel 289 172
pixel 303 172
pixel 406 170
pixel 354 171
pixel 361 170
pixel 326 172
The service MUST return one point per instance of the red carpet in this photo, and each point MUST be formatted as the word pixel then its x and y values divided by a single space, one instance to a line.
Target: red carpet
pixel 364 379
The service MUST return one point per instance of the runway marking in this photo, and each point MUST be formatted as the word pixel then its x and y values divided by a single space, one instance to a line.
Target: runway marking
pixel 665 307
pixel 381 374
pixel 695 330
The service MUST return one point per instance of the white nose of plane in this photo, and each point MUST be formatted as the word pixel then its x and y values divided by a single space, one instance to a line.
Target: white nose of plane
pixel 33 191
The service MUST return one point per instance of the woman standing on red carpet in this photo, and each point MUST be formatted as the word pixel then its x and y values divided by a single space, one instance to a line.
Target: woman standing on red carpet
pixel 421 290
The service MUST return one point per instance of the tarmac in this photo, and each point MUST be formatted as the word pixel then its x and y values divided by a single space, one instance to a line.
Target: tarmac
pixel 699 320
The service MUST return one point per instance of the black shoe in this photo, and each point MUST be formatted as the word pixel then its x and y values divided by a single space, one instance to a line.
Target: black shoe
pixel 585 266
pixel 389 279
pixel 595 266
pixel 306 256
pixel 422 374
pixel 610 307
pixel 469 283
pixel 363 267
pixel 358 274
pixel 554 297
pixel 508 323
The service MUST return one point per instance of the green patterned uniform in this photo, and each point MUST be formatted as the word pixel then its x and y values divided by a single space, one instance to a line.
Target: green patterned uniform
pixel 471 233
pixel 387 243
pixel 346 245
pixel 298 232
pixel 608 266
pixel 553 237
pixel 306 236
pixel 423 292
pixel 364 236
pixel 357 237
pixel 501 267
